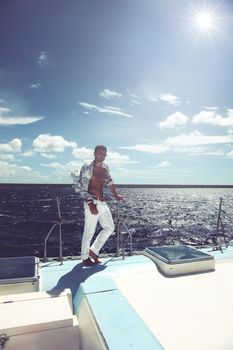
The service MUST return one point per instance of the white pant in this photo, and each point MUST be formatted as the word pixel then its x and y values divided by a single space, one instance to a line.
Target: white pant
pixel 105 219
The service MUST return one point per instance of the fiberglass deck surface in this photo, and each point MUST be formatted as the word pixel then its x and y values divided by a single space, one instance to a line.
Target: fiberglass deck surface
pixel 72 273
pixel 121 327
pixel 194 311
pixel 189 312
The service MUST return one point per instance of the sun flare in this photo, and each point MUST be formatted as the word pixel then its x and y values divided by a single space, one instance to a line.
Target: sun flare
pixel 205 21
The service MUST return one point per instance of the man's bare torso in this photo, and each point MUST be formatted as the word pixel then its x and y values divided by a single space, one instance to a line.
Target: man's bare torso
pixel 96 182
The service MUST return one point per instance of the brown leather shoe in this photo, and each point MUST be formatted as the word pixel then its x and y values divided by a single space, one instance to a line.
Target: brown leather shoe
pixel 88 262
pixel 95 257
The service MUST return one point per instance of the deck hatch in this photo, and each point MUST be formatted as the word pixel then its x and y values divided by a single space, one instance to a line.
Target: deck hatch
pixel 18 268
pixel 180 259
pixel 19 275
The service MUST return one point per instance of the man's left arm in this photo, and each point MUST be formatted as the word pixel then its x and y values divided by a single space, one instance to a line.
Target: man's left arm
pixel 118 196
pixel 112 187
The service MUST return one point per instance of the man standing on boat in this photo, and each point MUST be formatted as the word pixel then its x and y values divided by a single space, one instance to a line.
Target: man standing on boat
pixel 90 183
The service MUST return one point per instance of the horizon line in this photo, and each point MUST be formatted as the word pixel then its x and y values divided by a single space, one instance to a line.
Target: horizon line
pixel 124 185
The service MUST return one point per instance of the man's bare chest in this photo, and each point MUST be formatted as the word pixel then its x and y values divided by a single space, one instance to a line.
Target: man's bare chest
pixel 99 173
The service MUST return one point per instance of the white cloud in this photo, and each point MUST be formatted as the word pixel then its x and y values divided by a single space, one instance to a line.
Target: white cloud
pixel 9 121
pixel 172 99
pixel 4 110
pixel 109 110
pixel 211 117
pixel 153 99
pixel 28 153
pixel 35 86
pixel 204 117
pixel 46 143
pixel 164 164
pixel 82 153
pixel 156 148
pixel 113 108
pixel 230 154
pixel 149 94
pixel 109 94
pixel 217 152
pixel 135 102
pixel 16 120
pixel 25 168
pixel 115 158
pixel 9 157
pixel 175 119
pixel 195 138
pixel 11 147
pixel 118 159
pixel 48 155
pixel 61 172
pixel 183 143
pixel 20 174
pixel 63 168
pixel 32 153
pixel 42 59
pixel 72 165
pixel 54 165
pixel 213 108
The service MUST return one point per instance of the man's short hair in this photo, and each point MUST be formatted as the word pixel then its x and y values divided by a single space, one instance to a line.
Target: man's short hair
pixel 102 147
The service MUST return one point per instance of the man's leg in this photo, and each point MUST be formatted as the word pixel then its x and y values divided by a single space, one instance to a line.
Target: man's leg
pixel 106 221
pixel 89 230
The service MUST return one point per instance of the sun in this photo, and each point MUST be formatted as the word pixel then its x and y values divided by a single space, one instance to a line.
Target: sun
pixel 205 21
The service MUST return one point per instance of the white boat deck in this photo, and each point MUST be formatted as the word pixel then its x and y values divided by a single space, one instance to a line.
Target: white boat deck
pixel 129 305
pixel 189 312
pixel 186 312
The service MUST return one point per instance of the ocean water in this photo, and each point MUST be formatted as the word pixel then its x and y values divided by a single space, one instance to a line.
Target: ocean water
pixel 154 216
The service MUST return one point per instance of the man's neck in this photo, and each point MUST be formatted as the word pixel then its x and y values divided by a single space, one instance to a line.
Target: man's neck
pixel 98 164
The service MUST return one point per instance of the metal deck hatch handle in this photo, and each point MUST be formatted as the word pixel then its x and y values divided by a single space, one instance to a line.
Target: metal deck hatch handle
pixel 3 340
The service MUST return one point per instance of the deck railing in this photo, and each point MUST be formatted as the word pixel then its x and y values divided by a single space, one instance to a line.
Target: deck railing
pixel 58 223
pixel 218 238
pixel 120 249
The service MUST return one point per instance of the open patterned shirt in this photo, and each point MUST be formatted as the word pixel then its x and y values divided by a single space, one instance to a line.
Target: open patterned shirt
pixel 81 180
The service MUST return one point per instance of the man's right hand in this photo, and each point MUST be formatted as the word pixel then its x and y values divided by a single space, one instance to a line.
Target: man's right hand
pixel 93 208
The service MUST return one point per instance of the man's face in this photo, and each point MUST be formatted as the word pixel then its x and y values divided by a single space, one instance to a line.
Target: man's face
pixel 100 155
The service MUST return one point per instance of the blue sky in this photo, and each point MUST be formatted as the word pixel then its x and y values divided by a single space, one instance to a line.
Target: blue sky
pixel 152 80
